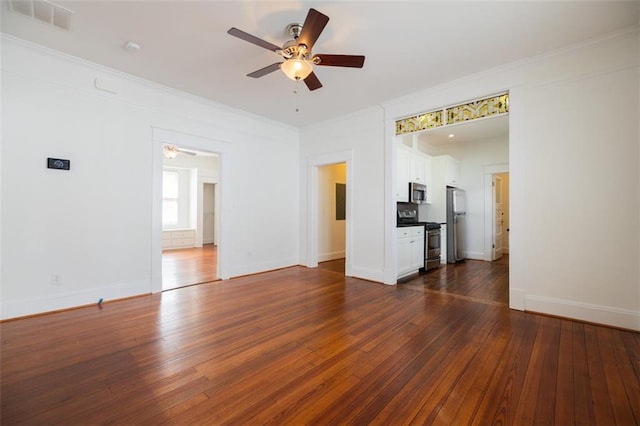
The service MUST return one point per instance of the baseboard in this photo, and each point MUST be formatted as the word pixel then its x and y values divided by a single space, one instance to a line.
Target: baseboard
pixel 624 318
pixel 376 275
pixel 72 299
pixel 517 299
pixel 475 255
pixel 324 257
pixel 256 268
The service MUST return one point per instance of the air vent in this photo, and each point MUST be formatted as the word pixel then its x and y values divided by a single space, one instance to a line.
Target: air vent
pixel 44 11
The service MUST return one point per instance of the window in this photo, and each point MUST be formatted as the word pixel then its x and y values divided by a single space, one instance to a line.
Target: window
pixel 170 182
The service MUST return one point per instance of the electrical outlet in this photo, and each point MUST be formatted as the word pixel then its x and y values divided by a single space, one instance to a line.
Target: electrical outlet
pixel 56 279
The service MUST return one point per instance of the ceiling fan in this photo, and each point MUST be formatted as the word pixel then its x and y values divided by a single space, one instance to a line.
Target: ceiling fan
pixel 298 59
pixel 171 151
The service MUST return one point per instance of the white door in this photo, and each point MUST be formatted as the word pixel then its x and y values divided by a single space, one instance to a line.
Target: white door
pixel 498 219
pixel 208 214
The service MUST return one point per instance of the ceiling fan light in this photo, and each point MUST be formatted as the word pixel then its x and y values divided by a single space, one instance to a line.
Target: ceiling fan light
pixel 296 69
pixel 170 151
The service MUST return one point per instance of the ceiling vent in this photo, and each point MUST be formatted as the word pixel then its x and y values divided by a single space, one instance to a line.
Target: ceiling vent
pixel 44 11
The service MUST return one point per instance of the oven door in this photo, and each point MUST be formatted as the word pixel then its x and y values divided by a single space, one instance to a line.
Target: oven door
pixel 433 244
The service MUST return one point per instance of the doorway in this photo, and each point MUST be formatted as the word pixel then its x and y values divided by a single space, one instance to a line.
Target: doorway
pixel 189 255
pixel 496 212
pixel 501 216
pixel 332 216
pixel 209 148
pixel 315 163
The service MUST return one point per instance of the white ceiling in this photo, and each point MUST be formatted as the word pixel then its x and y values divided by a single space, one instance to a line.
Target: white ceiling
pixel 409 45
pixel 471 131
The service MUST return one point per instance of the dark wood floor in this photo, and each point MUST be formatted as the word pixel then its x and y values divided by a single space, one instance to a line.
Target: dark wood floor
pixel 474 280
pixel 182 267
pixel 305 345
pixel 333 265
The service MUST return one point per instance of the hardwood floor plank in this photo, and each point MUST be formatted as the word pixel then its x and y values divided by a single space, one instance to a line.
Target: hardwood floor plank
pixel 616 374
pixel 184 267
pixel 310 346
pixel 548 388
pixel 602 404
pixel 583 400
pixel 498 385
pixel 427 390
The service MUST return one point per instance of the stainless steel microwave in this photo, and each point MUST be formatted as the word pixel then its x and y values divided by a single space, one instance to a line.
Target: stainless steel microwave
pixel 417 193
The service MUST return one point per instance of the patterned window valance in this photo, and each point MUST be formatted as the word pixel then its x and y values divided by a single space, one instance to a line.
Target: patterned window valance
pixel 494 105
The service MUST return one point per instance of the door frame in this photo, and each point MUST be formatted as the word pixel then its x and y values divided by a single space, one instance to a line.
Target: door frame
pixel 200 232
pixel 313 163
pixel 159 138
pixel 494 252
pixel 489 206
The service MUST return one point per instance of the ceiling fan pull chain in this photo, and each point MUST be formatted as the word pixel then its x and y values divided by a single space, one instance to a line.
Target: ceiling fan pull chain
pixel 295 93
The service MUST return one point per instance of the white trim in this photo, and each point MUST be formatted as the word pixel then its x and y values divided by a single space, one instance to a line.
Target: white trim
pixel 324 257
pixel 390 271
pixel 517 297
pixel 599 314
pixel 223 149
pixel 73 299
pixel 202 181
pixel 474 255
pixel 369 274
pixel 313 162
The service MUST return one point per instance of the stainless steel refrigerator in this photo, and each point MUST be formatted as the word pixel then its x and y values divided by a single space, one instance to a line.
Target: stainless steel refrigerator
pixel 456 224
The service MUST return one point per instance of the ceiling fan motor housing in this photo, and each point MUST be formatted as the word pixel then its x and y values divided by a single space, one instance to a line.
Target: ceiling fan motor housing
pixel 294 30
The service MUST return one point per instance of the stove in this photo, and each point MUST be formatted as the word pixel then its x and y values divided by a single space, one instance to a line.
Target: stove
pixel 408 216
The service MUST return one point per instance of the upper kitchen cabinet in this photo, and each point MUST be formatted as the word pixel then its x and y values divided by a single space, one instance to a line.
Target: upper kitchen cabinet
pixel 403 158
pixel 449 168
pixel 411 166
pixel 416 169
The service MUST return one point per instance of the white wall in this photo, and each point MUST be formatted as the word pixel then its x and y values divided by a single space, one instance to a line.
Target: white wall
pixel 574 175
pixel 91 226
pixel 331 232
pixel 362 134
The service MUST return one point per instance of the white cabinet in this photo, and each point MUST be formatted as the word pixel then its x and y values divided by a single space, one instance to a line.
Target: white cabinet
pixel 402 175
pixel 178 238
pixel 428 178
pixel 450 170
pixel 416 169
pixel 411 166
pixel 410 249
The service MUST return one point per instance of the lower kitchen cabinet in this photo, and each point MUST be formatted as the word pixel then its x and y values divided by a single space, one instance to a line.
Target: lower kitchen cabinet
pixel 410 250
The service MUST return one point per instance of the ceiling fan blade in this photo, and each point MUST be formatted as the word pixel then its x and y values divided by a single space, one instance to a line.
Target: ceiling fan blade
pixel 253 39
pixel 266 70
pixel 184 151
pixel 353 61
pixel 312 27
pixel 312 81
